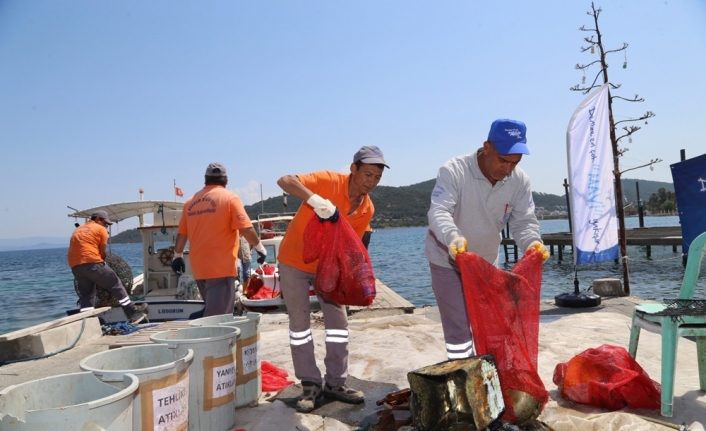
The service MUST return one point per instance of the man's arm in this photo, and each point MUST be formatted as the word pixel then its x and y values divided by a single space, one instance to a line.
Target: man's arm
pixel 180 243
pixel 250 235
pixel 101 250
pixel 292 185
pixel 444 198
pixel 523 223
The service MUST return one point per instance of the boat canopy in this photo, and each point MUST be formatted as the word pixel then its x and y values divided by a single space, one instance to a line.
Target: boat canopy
pixel 124 210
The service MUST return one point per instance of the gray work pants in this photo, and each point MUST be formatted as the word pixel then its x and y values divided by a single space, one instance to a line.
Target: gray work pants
pixel 99 274
pixel 448 290
pixel 295 290
pixel 218 294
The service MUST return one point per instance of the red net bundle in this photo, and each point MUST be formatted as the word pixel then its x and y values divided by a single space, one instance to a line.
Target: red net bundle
pixel 256 289
pixel 503 309
pixel 607 377
pixel 344 273
pixel 274 379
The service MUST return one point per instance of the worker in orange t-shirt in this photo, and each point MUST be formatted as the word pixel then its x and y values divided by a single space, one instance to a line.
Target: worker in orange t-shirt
pixel 87 261
pixel 330 195
pixel 212 221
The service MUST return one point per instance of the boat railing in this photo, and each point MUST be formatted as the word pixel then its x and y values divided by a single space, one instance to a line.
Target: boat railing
pixel 271 225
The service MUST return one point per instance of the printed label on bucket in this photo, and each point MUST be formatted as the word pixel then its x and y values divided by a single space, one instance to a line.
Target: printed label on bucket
pixel 251 358
pixel 219 381
pixel 166 406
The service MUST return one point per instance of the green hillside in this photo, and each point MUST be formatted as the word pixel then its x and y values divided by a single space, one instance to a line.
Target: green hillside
pixel 407 206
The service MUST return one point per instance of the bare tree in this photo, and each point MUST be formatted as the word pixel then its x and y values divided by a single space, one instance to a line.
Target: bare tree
pixel 595 42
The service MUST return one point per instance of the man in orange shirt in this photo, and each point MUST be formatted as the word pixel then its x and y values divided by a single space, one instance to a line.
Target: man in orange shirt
pixel 212 221
pixel 330 195
pixel 87 261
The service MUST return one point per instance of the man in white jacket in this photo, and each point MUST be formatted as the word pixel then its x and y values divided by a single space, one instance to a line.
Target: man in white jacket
pixel 475 196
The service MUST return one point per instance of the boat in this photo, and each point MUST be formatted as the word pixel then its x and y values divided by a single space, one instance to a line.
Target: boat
pixel 169 296
pixel 271 229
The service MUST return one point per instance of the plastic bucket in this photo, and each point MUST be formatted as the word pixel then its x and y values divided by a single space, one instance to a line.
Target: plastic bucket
pixel 248 366
pixel 213 375
pixel 78 401
pixel 162 401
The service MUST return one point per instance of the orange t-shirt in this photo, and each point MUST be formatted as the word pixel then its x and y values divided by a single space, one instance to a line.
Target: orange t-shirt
pixel 85 243
pixel 210 220
pixel 334 187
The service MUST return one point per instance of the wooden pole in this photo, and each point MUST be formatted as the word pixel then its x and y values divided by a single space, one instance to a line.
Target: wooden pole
pixel 616 167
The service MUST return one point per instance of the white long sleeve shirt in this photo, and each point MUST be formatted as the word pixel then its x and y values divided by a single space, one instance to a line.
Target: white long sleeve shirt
pixel 464 203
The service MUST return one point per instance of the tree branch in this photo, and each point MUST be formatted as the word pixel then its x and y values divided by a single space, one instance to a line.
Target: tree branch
pixel 636 99
pixel 648 114
pixel 625 46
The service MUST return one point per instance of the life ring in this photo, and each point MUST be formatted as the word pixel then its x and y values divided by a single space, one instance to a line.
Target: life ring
pixel 165 256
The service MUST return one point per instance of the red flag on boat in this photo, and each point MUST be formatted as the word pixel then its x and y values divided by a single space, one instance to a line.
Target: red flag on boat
pixel 178 192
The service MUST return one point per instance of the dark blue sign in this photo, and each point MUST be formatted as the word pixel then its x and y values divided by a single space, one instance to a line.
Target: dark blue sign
pixel 690 187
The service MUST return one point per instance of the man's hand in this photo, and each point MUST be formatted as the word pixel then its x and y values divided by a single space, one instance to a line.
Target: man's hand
pixel 261 253
pixel 178 265
pixel 323 208
pixel 536 245
pixel 458 245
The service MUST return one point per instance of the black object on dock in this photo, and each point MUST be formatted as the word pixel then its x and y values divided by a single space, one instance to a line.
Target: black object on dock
pixel 577 299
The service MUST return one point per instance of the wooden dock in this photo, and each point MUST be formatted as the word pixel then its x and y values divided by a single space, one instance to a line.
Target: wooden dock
pixel 640 236
pixel 386 301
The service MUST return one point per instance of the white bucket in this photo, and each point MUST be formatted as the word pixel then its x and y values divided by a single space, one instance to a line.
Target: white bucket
pixel 213 375
pixel 78 401
pixel 249 368
pixel 162 401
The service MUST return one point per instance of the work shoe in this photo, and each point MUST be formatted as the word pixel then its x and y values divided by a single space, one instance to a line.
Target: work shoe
pixel 138 314
pixel 344 393
pixel 307 401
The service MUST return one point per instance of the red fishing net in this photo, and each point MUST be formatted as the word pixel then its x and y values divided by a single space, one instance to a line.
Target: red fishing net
pixel 274 379
pixel 607 377
pixel 256 289
pixel 344 274
pixel 503 309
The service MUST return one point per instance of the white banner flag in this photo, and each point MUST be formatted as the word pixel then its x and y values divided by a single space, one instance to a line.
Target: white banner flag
pixel 590 158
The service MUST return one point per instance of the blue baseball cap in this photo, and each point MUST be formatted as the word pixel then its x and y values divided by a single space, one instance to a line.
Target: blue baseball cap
pixel 509 136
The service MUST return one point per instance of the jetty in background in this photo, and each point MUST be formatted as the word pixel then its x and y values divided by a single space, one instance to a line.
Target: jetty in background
pixel 639 236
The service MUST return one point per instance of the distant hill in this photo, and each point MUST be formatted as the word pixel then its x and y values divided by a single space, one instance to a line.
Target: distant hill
pixel 131 236
pixel 407 206
pixel 33 243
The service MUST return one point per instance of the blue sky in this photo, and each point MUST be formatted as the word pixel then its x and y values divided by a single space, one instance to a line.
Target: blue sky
pixel 99 99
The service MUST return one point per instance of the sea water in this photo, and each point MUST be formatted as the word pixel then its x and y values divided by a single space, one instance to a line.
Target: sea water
pixel 37 285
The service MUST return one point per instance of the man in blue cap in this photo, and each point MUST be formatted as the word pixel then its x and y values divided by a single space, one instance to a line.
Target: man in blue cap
pixel 475 196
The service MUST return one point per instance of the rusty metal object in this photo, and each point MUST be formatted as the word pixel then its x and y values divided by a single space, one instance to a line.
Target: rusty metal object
pixel 526 407
pixel 458 394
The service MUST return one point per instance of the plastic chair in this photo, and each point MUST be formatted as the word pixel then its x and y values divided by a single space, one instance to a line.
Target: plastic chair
pixel 691 323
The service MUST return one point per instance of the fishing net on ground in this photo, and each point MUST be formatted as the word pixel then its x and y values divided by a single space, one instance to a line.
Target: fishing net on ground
pixel 503 309
pixel 607 377
pixel 344 273
pixel 274 379
pixel 124 272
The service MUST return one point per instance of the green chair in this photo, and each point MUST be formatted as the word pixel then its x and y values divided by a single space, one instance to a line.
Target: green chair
pixel 685 317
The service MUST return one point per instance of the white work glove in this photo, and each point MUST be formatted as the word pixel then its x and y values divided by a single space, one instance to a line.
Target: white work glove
pixel 322 207
pixel 261 253
pixel 458 245
pixel 536 245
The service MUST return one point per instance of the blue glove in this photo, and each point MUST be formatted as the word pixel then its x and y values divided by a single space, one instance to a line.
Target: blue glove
pixel 332 219
pixel 178 265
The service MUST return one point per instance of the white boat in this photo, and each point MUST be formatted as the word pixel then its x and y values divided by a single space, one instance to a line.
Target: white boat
pixel 170 297
pixel 271 228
